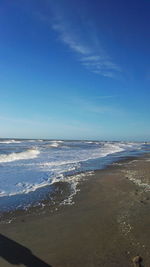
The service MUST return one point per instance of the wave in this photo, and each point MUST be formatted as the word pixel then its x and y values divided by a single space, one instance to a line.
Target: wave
pixel 53 164
pixel 10 142
pixel 58 141
pixel 28 154
pixel 84 155
pixel 55 143
pixel 89 142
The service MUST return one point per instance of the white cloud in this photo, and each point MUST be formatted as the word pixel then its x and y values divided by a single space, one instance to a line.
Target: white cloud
pixel 83 41
pixel 70 39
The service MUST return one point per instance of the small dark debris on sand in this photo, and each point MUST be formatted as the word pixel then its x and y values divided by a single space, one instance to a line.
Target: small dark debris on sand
pixel 137 261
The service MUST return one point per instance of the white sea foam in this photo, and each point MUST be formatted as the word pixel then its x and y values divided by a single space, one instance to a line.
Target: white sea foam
pixel 28 154
pixel 9 142
pixel 85 155
pixel 58 141
pixel 54 144
pixel 134 177
pixel 50 165
pixel 74 181
pixel 24 188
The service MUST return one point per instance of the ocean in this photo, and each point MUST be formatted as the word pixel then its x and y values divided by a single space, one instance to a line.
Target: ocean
pixel 28 165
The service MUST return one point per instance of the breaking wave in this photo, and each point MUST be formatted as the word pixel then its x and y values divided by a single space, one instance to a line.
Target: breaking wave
pixel 28 154
pixel 56 162
pixel 55 143
pixel 9 142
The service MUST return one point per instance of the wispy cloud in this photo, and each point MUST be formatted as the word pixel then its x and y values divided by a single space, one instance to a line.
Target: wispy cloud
pixel 101 65
pixel 70 37
pixel 85 43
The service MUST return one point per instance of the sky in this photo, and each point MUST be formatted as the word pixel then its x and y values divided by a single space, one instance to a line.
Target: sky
pixel 75 69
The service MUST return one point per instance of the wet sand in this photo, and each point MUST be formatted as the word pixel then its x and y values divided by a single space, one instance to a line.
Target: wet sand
pixel 108 224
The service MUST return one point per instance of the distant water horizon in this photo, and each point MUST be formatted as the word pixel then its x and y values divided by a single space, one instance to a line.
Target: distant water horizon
pixel 78 139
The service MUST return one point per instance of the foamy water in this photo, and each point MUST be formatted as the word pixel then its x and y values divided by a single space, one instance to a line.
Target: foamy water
pixel 29 154
pixel 9 141
pixel 26 165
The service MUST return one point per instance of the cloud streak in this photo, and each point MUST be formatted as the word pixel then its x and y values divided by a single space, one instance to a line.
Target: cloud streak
pixel 84 42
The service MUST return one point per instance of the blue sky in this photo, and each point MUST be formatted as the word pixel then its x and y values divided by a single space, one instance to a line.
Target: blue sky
pixel 75 69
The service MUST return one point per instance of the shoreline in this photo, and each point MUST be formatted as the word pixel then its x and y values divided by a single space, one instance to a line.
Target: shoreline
pixel 53 195
pixel 22 201
pixel 107 225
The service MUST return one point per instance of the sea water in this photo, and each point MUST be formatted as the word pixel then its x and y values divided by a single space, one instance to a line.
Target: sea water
pixel 27 165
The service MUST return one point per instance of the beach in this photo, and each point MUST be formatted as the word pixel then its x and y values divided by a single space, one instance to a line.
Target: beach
pixel 74 133
pixel 107 223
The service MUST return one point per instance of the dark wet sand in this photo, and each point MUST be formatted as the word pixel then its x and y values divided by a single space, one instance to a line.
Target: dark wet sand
pixel 108 225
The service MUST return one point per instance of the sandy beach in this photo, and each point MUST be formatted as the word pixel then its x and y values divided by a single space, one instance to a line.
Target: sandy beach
pixel 74 133
pixel 107 225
